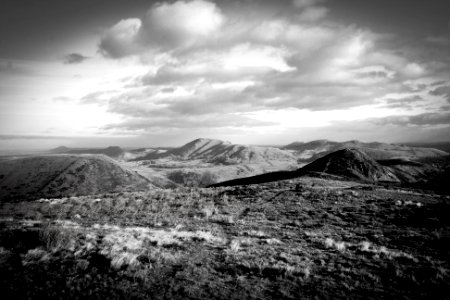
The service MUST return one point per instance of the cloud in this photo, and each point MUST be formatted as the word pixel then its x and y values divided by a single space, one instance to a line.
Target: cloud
pixel 194 20
pixel 425 119
pixel 217 120
pixel 74 58
pixel 213 59
pixel 165 26
pixel 305 39
pixel 442 91
pixel 100 97
pixel 244 61
pixel 413 70
pixel 408 103
pixel 121 39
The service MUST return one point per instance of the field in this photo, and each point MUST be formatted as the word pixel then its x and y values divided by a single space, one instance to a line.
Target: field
pixel 299 238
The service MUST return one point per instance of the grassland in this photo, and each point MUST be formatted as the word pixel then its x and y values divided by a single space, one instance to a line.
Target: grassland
pixel 294 239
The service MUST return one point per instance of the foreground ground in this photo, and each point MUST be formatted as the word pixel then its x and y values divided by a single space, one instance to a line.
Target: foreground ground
pixel 302 238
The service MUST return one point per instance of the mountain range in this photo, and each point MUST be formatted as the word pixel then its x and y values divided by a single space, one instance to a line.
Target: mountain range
pixel 221 152
pixel 206 162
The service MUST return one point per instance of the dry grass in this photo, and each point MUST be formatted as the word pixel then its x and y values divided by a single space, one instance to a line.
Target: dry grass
pixel 260 242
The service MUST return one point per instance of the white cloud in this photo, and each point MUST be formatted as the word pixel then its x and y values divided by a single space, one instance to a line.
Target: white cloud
pixel 258 57
pixel 166 26
pixel 121 39
pixel 413 70
pixel 242 62
pixel 196 18
pixel 302 39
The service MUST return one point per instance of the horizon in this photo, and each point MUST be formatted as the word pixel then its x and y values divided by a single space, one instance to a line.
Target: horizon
pixel 95 73
pixel 89 145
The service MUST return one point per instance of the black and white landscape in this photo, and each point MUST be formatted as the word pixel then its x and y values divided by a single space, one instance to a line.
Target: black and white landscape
pixel 241 149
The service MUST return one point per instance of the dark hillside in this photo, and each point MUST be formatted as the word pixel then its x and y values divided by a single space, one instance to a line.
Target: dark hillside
pixel 64 175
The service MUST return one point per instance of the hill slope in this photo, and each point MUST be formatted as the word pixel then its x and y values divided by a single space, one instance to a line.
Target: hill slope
pixel 351 163
pixel 64 175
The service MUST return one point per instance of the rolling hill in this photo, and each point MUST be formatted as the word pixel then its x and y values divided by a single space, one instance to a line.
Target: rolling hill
pixel 65 175
pixel 308 152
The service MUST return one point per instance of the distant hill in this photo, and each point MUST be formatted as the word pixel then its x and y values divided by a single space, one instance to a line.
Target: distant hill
pixel 112 151
pixel 220 152
pixel 65 175
pixel 443 146
pixel 308 152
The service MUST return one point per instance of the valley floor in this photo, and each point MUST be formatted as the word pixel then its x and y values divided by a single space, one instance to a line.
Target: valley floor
pixel 302 238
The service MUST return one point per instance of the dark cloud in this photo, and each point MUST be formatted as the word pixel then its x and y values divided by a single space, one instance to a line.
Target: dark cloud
pixel 374 74
pixel 425 119
pixel 441 82
pixel 100 97
pixel 167 90
pixel 405 103
pixel 74 58
pixel 430 119
pixel 442 91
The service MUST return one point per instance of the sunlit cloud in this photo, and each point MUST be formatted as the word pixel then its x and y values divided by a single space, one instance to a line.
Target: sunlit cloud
pixel 165 26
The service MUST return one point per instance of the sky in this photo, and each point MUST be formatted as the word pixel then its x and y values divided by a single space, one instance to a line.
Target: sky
pixel 161 73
